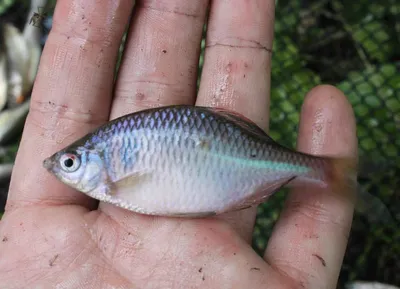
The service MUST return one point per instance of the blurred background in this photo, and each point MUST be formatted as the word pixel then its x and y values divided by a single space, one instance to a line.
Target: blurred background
pixel 354 45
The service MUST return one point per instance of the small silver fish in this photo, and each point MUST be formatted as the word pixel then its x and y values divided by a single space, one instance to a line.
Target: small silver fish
pixel 188 161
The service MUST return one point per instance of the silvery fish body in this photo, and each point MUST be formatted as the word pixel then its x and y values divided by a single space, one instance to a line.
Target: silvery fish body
pixel 183 161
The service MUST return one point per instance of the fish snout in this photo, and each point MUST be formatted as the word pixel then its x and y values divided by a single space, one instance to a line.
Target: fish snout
pixel 48 163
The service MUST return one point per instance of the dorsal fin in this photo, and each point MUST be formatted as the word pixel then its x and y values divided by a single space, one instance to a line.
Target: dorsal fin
pixel 241 120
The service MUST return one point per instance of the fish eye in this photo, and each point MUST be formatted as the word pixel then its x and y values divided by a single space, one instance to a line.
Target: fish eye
pixel 70 162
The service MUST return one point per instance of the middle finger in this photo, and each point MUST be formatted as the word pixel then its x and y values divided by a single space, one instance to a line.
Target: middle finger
pixel 159 66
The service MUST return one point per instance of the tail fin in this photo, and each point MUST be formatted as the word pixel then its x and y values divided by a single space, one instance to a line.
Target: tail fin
pixel 341 177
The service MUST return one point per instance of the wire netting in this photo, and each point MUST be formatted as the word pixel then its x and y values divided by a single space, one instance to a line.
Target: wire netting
pixel 354 45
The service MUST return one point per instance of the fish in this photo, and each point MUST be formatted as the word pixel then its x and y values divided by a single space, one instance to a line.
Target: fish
pixel 23 51
pixel 190 161
pixel 17 59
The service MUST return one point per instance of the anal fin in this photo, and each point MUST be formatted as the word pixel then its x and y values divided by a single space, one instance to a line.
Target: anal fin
pixel 261 195
pixel 193 215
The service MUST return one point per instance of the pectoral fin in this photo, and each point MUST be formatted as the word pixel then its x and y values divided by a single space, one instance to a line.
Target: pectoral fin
pixel 127 183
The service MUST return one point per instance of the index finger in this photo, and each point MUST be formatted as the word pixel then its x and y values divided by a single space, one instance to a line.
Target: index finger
pixel 71 95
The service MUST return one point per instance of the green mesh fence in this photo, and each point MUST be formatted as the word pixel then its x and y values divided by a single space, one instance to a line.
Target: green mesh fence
pixel 354 45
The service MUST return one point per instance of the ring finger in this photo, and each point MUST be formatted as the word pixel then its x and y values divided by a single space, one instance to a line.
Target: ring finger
pixel 236 72
pixel 159 66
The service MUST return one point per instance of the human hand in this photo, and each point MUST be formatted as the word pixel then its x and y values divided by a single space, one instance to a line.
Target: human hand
pixel 54 236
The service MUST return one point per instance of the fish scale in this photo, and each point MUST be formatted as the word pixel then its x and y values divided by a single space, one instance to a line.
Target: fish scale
pixel 184 161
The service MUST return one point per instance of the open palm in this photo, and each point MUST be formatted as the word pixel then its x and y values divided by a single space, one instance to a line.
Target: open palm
pixel 54 237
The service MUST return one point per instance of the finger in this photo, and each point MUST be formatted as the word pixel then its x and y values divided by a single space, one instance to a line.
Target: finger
pixel 71 95
pixel 159 66
pixel 236 72
pixel 309 240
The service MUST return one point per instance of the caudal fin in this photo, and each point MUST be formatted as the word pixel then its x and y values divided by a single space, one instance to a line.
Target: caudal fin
pixel 341 177
pixel 341 174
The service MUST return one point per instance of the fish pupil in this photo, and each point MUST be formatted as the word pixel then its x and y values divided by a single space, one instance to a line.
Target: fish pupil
pixel 69 162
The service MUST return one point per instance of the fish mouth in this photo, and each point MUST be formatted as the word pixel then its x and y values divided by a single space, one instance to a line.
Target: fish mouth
pixel 48 164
